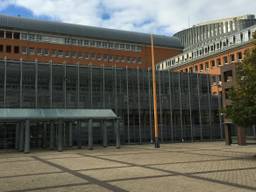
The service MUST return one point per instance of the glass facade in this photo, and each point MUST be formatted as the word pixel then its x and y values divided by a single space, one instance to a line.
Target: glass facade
pixel 186 109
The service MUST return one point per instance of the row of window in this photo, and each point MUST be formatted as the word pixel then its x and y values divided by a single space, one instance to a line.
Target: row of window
pixel 69 54
pixel 208 48
pixel 213 63
pixel 70 41
pixel 9 49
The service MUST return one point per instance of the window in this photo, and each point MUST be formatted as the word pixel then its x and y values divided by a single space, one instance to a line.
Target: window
pixel 60 53
pixel 105 45
pixel 127 47
pixel 98 44
pixel 31 37
pixel 92 43
pixel 1 48
pixel 138 48
pixel 74 42
pixel 110 58
pixel 8 48
pixel 45 52
pixel 196 68
pixel 122 46
pixel 123 59
pixel 79 55
pixel 228 76
pixel 99 57
pixel 239 55
pixel 201 67
pixel 39 51
pixel 24 50
pixel 86 42
pixel 1 34
pixel 80 42
pixel 39 38
pixel 67 41
pixel 241 37
pixel 86 55
pixel 93 56
pixel 190 69
pixel 31 51
pixel 8 35
pixel 73 54
pixel 232 57
pixel 225 60
pixel 116 45
pixel 206 65
pixel 133 47
pixel 213 63
pixel 111 45
pixel 54 53
pixel 105 57
pixel 16 49
pixel 139 60
pixel 24 36
pixel 218 62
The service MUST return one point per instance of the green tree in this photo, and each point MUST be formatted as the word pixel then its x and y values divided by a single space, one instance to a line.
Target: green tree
pixel 242 110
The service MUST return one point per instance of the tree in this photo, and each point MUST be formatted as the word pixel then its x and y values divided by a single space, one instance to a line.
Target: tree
pixel 242 110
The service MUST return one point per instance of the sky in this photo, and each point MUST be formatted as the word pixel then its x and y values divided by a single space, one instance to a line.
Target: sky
pixel 164 17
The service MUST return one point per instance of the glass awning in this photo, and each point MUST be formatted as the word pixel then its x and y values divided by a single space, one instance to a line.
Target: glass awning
pixel 69 114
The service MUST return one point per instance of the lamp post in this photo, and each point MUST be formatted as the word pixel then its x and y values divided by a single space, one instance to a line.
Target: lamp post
pixel 157 144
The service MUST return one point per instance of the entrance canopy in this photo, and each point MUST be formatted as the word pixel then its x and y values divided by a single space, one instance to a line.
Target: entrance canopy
pixel 51 114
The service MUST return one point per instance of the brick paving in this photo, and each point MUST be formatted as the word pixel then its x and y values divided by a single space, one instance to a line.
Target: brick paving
pixel 174 167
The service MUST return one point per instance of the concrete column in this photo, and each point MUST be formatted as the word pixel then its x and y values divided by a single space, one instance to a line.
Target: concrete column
pixel 21 137
pixel 27 137
pixel 241 135
pixel 52 136
pixel 60 136
pixel 17 132
pixel 79 140
pixel 228 139
pixel 70 133
pixel 44 134
pixel 104 134
pixel 90 135
pixel 117 131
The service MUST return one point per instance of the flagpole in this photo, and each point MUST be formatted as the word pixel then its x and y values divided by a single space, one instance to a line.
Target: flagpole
pixel 157 144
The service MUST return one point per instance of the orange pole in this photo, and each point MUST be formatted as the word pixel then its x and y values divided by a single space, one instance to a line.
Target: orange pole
pixel 157 145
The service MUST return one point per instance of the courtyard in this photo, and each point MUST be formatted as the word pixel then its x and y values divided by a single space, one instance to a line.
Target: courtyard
pixel 174 167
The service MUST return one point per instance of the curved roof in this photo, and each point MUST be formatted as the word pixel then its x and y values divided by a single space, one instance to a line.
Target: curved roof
pixel 20 23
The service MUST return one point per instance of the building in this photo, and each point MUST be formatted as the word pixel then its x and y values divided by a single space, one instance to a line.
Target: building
pixel 191 38
pixel 46 41
pixel 215 48
pixel 187 110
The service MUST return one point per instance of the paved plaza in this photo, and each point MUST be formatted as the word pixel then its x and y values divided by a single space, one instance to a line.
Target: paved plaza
pixel 174 167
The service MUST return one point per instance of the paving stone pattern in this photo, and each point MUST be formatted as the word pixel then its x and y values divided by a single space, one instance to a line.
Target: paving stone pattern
pixel 174 167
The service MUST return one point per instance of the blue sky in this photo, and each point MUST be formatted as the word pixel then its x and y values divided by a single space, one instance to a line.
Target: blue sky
pixel 151 16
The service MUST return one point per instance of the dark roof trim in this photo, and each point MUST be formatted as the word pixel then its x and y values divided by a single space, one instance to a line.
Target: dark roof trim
pixel 25 24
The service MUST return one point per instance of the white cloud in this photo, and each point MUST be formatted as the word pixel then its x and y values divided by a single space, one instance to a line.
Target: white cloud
pixel 159 16
pixel 4 4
